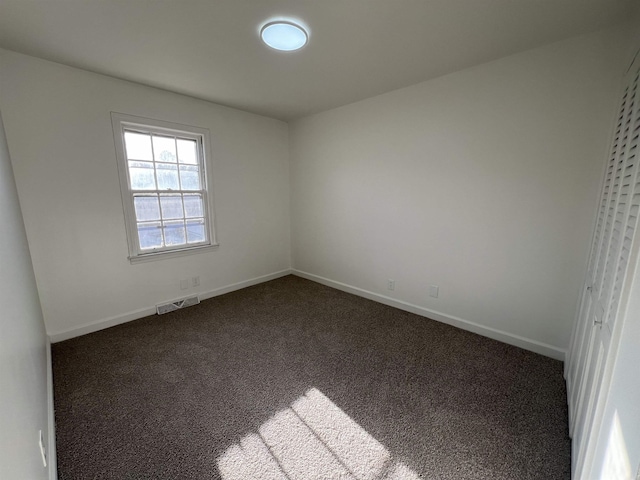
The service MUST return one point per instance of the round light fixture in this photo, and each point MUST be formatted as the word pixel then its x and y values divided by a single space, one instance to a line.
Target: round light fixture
pixel 284 35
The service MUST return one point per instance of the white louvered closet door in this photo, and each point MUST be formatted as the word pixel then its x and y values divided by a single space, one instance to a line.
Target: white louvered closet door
pixel 595 337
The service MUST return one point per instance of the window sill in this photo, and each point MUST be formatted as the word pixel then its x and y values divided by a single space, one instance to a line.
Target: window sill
pixel 152 257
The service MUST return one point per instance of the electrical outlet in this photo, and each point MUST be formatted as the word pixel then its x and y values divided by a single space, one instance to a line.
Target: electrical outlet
pixel 195 281
pixel 43 451
pixel 184 284
pixel 433 291
pixel 391 285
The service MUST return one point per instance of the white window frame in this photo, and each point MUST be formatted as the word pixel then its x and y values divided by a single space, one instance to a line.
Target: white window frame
pixel 120 123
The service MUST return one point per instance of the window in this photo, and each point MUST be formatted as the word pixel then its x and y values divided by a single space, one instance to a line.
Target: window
pixel 163 178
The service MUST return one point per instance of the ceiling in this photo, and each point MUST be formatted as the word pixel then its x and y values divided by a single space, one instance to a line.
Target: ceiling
pixel 210 49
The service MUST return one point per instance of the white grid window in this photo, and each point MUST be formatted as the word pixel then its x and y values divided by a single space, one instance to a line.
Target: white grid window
pixel 164 186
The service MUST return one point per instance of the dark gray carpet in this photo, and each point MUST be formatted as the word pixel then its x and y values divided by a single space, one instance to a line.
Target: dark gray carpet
pixel 165 397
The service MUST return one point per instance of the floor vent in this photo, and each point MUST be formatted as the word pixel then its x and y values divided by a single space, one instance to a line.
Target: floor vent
pixel 177 305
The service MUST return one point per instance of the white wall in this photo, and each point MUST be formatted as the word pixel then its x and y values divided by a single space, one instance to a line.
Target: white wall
pixel 57 121
pixel 483 182
pixel 23 347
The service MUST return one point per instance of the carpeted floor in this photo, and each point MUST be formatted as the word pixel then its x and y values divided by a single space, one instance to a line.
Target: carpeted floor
pixel 294 380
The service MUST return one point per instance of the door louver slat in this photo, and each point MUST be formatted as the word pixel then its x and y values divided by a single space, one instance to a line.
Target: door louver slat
pixel 614 242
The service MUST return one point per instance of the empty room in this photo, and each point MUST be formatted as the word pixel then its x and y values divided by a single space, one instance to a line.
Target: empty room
pixel 312 240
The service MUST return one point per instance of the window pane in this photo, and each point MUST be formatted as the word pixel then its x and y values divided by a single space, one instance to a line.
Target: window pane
pixel 138 146
pixel 165 202
pixel 146 207
pixel 187 151
pixel 164 149
pixel 195 231
pixel 171 206
pixel 189 177
pixel 193 206
pixel 174 233
pixel 167 176
pixel 150 235
pixel 141 176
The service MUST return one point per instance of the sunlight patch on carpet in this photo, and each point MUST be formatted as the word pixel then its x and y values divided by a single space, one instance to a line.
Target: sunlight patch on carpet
pixel 312 439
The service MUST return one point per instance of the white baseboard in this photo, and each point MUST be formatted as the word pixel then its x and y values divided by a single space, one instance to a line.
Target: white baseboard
pixel 511 339
pixel 247 283
pixel 145 312
pixel 51 419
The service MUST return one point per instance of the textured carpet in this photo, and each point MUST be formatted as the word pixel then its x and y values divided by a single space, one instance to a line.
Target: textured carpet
pixel 294 380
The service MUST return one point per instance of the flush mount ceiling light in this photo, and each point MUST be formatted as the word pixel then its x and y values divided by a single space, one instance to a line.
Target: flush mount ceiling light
pixel 284 35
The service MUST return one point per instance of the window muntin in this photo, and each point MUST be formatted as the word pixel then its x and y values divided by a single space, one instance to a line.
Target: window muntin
pixel 165 191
